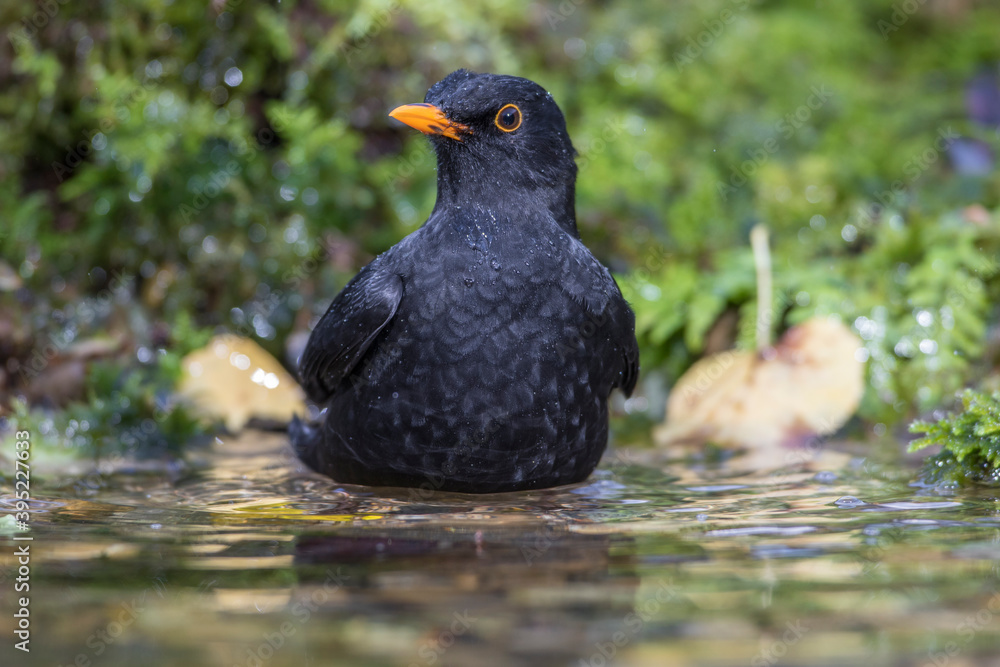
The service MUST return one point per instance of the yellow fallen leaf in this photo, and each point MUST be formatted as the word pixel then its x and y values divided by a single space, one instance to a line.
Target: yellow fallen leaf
pixel 234 379
pixel 810 383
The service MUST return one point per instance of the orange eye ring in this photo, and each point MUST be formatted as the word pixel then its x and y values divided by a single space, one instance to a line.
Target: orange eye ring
pixel 508 118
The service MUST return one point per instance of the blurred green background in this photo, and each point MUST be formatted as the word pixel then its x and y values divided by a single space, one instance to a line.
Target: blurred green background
pixel 170 169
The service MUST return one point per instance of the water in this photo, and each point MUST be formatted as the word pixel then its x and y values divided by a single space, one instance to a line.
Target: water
pixel 250 561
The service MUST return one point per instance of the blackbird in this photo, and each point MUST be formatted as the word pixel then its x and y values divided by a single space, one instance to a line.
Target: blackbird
pixel 478 353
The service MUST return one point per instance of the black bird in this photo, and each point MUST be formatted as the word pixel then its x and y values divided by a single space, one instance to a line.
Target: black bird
pixel 478 353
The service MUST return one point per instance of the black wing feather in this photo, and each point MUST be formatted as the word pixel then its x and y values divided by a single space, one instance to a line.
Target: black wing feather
pixel 630 347
pixel 599 293
pixel 363 308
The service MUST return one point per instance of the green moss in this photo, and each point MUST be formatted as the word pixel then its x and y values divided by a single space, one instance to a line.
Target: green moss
pixel 969 441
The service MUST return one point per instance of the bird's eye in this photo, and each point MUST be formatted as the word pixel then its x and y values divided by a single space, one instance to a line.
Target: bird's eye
pixel 509 118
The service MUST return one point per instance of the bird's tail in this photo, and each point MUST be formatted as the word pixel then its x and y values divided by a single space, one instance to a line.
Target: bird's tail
pixel 306 440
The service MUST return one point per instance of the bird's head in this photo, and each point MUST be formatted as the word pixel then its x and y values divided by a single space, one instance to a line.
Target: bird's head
pixel 498 139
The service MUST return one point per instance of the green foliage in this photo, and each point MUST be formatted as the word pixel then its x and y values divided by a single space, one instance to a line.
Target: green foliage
pixel 969 441
pixel 186 337
pixel 675 306
pixel 128 412
pixel 211 152
pixel 131 411
pixel 919 296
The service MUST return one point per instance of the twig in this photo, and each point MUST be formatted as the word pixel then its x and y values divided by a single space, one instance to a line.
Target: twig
pixel 765 308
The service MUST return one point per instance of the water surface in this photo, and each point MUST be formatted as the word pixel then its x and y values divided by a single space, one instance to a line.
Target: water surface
pixel 246 559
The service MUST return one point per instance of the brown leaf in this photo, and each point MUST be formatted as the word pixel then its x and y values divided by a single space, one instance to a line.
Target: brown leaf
pixel 810 383
pixel 234 379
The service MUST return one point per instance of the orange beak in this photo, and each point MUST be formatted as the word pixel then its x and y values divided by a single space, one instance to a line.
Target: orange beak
pixel 430 120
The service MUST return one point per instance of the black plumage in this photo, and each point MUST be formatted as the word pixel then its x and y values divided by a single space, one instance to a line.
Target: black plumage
pixel 478 353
